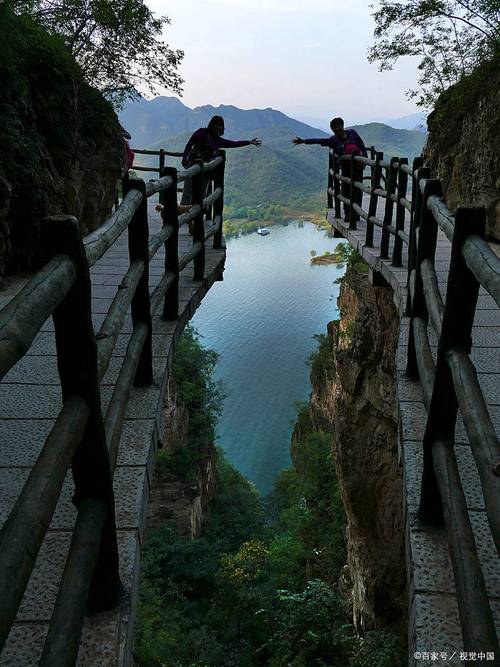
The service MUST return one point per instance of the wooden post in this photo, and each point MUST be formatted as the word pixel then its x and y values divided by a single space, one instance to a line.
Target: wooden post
pixel 336 184
pixel 138 247
pixel 458 318
pixel 416 207
pixel 77 364
pixel 389 205
pixel 209 212
pixel 170 216
pixel 372 207
pixel 161 162
pixel 330 179
pixel 352 214
pixel 426 250
pixel 219 204
pixel 198 226
pixel 400 213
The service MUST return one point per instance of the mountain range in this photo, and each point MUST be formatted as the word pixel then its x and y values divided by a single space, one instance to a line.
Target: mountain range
pixel 278 172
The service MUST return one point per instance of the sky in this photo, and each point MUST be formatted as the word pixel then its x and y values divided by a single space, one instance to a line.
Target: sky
pixel 306 58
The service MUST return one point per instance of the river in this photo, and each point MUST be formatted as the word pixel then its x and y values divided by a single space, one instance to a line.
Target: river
pixel 261 320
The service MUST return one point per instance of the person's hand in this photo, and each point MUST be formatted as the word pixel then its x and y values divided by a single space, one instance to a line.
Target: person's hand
pixel 256 141
pixel 159 208
pixel 297 141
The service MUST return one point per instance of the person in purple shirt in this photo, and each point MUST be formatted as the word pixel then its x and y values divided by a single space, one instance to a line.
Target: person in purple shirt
pixel 344 142
pixel 203 145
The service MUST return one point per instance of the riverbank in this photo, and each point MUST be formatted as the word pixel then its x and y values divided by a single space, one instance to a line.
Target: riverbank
pixel 233 227
pixel 335 257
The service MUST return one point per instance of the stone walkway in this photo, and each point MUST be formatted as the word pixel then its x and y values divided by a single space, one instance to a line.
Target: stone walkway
pixel 433 623
pixel 29 402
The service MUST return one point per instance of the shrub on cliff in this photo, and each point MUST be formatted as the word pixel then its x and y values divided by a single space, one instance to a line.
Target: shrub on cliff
pixel 201 395
pixel 60 141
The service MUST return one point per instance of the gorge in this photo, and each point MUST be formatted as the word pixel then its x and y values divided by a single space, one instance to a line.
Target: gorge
pixel 315 572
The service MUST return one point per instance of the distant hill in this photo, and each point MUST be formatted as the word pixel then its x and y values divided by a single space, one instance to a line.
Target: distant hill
pixel 278 172
pixel 151 121
pixel 414 121
pixel 391 141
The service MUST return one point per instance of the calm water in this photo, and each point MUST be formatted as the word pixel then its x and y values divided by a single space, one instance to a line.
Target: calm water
pixel 261 320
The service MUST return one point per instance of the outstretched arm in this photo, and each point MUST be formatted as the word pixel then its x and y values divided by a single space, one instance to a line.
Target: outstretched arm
pixel 227 143
pixel 322 141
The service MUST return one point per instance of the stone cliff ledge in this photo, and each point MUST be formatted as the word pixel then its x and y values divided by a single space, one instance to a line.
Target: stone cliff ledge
pixel 357 398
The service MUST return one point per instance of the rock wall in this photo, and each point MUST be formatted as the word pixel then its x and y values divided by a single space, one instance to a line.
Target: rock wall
pixel 61 146
pixel 357 399
pixel 173 499
pixel 463 147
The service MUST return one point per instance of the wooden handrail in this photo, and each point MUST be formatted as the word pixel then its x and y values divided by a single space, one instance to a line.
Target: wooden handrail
pixel 62 288
pixel 449 385
pixel 161 151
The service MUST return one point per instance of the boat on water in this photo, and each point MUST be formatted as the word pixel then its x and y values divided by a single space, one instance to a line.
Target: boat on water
pixel 263 231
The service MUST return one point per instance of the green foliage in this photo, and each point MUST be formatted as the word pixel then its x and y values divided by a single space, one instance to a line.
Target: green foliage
pixel 192 370
pixel 451 37
pixel 461 99
pixel 313 512
pixel 353 261
pixel 321 359
pixel 188 600
pixel 236 513
pixel 116 42
pixel 257 588
pixel 307 628
pixel 247 219
pixel 346 254
pixel 378 648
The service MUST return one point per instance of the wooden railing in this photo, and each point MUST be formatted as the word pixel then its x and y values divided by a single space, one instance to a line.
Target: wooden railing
pixel 450 384
pixel 81 437
pixel 161 154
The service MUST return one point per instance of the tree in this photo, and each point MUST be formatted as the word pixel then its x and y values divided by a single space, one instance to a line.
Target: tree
pixel 116 42
pixel 450 36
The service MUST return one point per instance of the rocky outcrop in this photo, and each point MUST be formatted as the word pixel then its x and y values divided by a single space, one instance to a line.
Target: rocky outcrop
pixel 61 146
pixel 463 147
pixel 356 397
pixel 175 498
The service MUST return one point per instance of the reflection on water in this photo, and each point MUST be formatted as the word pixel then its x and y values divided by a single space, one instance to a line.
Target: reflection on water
pixel 261 320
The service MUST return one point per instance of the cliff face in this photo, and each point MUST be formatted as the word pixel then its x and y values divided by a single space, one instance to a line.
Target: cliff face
pixel 357 399
pixel 463 148
pixel 175 498
pixel 61 146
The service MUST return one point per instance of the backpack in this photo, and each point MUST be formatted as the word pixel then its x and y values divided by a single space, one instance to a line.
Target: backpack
pixel 350 148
